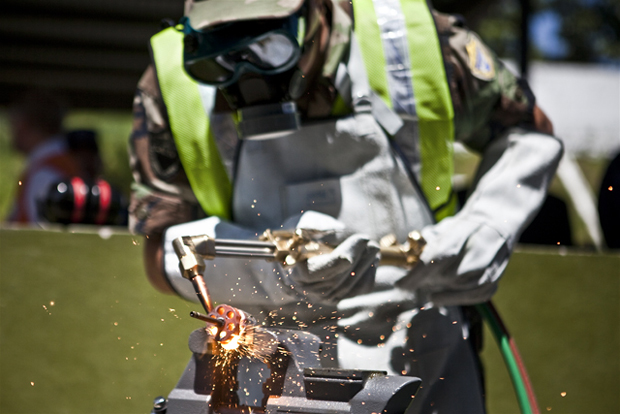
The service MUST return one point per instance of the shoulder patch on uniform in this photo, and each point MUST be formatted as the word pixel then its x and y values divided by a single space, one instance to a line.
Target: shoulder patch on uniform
pixel 480 60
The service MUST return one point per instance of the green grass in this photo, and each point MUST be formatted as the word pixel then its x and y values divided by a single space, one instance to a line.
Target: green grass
pixel 11 164
pixel 82 331
pixel 564 312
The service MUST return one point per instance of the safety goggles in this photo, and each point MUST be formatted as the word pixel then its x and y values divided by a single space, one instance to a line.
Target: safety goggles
pixel 220 55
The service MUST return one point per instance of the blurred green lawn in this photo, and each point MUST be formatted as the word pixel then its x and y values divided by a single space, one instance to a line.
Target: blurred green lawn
pixel 81 331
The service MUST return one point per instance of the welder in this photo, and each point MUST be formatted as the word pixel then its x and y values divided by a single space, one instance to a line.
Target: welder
pixel 340 117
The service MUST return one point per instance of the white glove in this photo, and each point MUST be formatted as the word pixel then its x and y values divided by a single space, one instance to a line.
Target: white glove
pixel 466 254
pixel 460 264
pixel 348 270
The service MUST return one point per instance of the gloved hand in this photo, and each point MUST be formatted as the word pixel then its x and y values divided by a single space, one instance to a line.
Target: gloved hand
pixel 467 253
pixel 460 264
pixel 346 271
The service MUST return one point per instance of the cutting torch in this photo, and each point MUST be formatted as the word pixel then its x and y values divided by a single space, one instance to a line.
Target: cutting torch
pixel 285 247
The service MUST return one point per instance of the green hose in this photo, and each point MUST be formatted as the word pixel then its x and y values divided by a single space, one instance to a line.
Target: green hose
pixel 503 341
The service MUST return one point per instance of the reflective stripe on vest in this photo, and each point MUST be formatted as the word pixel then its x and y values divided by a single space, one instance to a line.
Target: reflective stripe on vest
pixel 418 52
pixel 189 124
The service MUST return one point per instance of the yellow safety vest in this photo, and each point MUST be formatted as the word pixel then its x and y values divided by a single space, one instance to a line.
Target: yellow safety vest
pixel 433 102
pixel 190 126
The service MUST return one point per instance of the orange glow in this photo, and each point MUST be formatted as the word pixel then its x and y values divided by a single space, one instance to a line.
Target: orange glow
pixel 232 344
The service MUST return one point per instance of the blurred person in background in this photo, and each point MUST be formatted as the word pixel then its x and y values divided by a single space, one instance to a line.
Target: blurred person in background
pixel 84 148
pixel 62 181
pixel 36 120
pixel 86 198
pixel 359 155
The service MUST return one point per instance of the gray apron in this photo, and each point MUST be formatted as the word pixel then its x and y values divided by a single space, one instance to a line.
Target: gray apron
pixel 346 168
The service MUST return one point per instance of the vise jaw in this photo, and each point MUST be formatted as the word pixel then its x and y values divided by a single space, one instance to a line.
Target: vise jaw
pixel 288 380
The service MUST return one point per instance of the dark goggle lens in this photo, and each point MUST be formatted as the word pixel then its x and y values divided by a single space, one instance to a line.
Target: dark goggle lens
pixel 270 52
pixel 266 54
pixel 208 71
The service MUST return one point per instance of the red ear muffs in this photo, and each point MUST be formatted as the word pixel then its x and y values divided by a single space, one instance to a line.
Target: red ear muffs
pixel 80 196
pixel 74 201
pixel 104 200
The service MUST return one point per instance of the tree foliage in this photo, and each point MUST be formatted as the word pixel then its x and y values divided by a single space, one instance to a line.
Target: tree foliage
pixel 588 30
pixel 498 22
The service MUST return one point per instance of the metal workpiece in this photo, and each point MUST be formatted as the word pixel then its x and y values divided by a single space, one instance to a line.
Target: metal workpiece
pixel 228 325
pixel 235 321
pixel 201 342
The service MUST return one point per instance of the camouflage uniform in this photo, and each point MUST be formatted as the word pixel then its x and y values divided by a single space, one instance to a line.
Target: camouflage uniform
pixel 485 103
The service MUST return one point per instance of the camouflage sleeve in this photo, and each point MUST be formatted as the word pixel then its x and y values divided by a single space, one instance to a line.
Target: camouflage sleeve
pixel 487 97
pixel 161 195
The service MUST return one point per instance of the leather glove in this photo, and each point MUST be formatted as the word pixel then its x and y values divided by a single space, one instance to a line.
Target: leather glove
pixel 466 254
pixel 346 271
pixel 461 263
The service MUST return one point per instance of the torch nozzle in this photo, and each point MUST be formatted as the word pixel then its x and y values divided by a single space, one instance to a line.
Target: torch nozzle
pixel 206 318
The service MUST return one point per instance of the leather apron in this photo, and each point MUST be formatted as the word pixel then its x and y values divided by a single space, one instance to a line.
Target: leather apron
pixel 348 169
